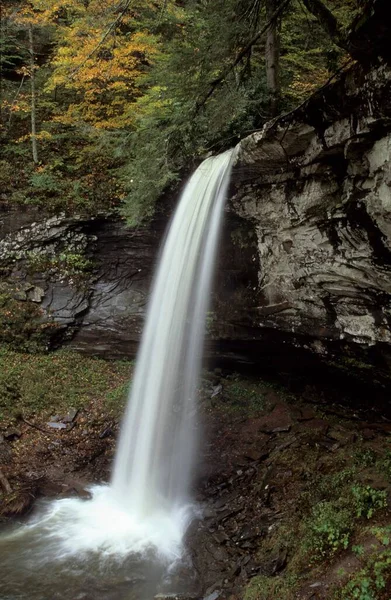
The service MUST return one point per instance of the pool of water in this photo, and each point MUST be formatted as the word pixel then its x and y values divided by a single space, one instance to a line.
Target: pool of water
pixel 60 554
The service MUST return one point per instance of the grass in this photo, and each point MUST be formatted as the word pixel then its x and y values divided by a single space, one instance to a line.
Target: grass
pixel 51 383
pixel 266 588
pixel 242 396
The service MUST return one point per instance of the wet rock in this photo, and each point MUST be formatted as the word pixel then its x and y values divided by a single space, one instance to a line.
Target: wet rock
pixel 173 596
pixel 367 433
pixel 284 429
pixel 250 532
pixel 17 504
pixel 330 445
pixel 341 435
pixel 216 390
pixel 319 426
pixel 55 425
pixel 306 414
pixel 209 513
pixel 213 596
pixel 70 416
pixel 280 561
pixel 227 514
pixel 51 488
pixel 221 537
pixel 36 295
pixel 213 589
pixel 107 432
pixel 12 434
pixel 79 489
pixel 255 455
pixel 279 418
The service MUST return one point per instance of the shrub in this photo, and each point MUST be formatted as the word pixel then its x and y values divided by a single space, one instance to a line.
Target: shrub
pixel 22 326
pixel 369 582
pixel 367 500
pixel 329 528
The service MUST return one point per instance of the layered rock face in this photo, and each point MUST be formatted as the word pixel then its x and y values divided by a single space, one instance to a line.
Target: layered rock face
pixel 316 186
pixel 90 277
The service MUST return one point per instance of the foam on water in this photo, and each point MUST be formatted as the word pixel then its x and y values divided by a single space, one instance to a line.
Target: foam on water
pixel 72 526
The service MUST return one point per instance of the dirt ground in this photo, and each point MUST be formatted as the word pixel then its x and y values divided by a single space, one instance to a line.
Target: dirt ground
pixel 268 458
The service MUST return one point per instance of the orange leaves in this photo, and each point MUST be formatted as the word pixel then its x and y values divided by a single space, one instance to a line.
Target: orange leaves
pixel 101 57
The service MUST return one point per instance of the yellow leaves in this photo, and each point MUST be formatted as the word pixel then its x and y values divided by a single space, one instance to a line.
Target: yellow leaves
pixel 20 105
pixel 103 68
pixel 100 58
pixel 304 84
pixel 44 135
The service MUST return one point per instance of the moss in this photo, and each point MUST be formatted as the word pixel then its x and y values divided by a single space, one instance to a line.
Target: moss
pixel 23 326
pixel 243 395
pixel 271 588
pixel 243 237
pixel 59 380
pixel 71 265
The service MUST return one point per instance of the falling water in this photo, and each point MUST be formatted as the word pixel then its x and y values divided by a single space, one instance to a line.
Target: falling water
pixel 147 505
pixel 157 443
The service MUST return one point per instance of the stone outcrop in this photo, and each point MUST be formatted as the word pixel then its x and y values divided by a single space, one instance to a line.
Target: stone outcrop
pixel 316 187
pixel 90 276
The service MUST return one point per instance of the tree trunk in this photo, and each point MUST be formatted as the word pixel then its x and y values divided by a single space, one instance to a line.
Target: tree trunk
pixel 33 95
pixel 272 56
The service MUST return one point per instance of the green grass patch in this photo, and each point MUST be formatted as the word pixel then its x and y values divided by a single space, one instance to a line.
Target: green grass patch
pixel 244 395
pixel 270 588
pixel 50 383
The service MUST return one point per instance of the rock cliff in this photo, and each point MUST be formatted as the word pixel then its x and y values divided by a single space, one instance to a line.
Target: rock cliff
pixel 316 187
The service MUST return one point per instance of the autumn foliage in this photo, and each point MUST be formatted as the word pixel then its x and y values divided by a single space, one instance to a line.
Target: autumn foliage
pixel 104 103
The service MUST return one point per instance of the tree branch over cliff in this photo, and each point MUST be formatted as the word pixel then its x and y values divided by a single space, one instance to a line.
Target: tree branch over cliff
pixel 328 21
pixel 216 82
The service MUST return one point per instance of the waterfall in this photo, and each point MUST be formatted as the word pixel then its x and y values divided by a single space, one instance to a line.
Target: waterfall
pixel 147 504
pixel 157 443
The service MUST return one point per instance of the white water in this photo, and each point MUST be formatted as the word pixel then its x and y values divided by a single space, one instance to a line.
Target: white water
pixel 157 443
pixel 148 504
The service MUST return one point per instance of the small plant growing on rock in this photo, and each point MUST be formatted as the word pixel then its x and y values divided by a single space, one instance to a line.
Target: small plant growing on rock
pixel 22 325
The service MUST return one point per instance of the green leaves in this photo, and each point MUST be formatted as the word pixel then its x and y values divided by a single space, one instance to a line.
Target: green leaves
pixel 123 109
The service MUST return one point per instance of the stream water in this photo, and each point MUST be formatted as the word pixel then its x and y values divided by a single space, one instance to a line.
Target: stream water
pixel 127 541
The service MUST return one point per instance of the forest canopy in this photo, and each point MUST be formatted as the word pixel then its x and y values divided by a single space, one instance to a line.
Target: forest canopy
pixel 105 104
